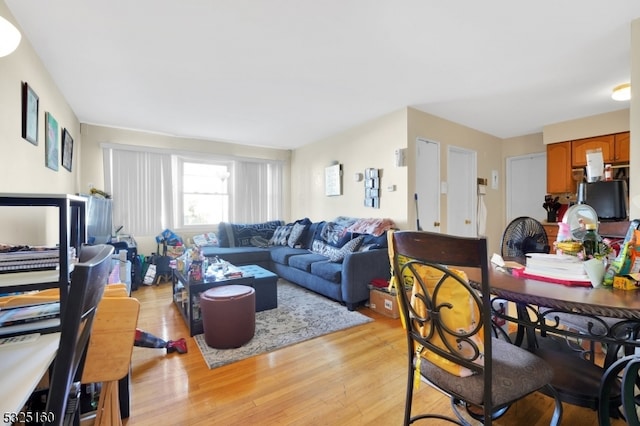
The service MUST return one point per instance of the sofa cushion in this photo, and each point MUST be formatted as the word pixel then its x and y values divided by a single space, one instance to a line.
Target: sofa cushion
pixel 281 254
pixel 281 235
pixel 330 271
pixel 239 235
pixel 311 233
pixel 371 242
pixel 239 255
pixel 304 261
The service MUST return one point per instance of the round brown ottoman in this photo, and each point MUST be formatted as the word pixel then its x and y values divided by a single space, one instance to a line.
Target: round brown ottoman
pixel 228 315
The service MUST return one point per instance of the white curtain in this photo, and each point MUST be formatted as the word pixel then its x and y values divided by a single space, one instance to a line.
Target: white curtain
pixel 257 193
pixel 140 184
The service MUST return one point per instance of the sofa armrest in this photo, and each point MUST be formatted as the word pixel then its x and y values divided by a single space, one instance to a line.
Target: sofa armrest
pixel 359 269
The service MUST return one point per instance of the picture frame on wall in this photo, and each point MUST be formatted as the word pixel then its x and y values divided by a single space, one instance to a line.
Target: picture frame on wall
pixel 30 106
pixel 51 142
pixel 67 149
pixel 333 180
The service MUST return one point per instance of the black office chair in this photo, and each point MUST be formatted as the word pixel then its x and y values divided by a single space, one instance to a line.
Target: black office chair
pixel 88 280
pixel 445 319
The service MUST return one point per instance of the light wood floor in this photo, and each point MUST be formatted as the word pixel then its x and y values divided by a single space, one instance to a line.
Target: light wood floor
pixel 353 377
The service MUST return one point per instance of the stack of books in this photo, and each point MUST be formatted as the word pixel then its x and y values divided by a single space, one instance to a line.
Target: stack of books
pixel 560 268
pixel 36 259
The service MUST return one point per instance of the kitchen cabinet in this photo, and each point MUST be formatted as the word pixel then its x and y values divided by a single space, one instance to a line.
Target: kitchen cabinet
pixel 621 144
pixel 559 174
pixel 615 149
pixel 551 229
pixel 580 147
pixel 562 157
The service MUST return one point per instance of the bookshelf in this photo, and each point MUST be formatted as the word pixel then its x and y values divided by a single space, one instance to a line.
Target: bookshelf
pixel 72 233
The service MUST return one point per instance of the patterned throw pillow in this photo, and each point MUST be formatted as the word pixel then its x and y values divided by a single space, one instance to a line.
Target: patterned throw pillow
pixel 259 241
pixel 281 235
pixel 333 253
pixel 296 232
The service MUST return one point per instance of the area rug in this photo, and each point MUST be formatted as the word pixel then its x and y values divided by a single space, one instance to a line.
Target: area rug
pixel 301 315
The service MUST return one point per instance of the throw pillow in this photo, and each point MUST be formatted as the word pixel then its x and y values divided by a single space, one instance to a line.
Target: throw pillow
pixel 333 253
pixel 350 247
pixel 259 241
pixel 280 235
pixel 296 232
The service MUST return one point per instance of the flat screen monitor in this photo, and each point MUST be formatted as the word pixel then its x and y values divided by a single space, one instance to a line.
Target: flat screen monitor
pixel 608 199
pixel 99 222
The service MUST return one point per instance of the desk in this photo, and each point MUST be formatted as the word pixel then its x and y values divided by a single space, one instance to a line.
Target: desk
pixel 591 303
pixel 22 365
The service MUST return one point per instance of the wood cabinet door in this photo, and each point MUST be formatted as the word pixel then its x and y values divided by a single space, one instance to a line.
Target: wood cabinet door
pixel 581 146
pixel 559 178
pixel 552 235
pixel 622 147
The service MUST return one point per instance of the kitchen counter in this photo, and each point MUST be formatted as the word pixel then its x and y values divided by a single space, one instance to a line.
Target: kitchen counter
pixel 615 230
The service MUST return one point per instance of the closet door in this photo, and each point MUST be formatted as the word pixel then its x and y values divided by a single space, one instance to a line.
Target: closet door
pixel 427 196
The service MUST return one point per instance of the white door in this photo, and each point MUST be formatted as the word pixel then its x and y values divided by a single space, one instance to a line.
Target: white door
pixel 427 196
pixel 461 192
pixel 526 186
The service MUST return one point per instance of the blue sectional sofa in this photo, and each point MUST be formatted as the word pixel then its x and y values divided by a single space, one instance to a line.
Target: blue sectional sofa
pixel 322 256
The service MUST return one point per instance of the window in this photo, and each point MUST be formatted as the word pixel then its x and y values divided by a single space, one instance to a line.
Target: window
pixel 156 189
pixel 204 193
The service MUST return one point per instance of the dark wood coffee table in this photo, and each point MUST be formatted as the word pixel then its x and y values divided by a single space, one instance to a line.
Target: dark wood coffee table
pixel 186 295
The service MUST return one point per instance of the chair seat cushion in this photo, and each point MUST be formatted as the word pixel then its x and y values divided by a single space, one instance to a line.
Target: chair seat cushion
pixel 516 373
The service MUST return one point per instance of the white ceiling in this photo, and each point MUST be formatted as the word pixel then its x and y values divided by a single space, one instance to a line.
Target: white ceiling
pixel 284 73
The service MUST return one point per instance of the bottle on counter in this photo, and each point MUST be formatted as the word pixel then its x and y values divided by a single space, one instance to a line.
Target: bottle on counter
pixel 608 172
pixel 590 241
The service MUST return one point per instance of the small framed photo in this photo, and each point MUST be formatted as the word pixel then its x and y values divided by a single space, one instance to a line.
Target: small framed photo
pixel 51 142
pixel 67 149
pixel 30 103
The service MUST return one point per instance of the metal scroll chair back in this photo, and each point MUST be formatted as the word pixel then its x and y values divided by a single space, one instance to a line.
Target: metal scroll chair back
pixel 445 320
pixel 88 280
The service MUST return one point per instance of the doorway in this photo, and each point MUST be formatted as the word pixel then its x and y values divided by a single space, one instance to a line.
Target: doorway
pixel 462 192
pixel 526 186
pixel 427 195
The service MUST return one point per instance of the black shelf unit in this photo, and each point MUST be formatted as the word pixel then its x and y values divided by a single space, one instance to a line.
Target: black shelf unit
pixel 72 232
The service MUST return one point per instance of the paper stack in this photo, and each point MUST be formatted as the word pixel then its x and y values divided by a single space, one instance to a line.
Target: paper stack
pixel 564 268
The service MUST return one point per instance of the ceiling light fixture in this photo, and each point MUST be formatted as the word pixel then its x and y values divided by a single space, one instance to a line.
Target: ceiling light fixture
pixel 9 37
pixel 621 92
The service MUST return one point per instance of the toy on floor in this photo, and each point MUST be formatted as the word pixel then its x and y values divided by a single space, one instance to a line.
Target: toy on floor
pixel 148 340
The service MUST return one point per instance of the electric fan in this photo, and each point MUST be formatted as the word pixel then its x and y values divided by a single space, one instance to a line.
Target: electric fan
pixel 577 217
pixel 524 235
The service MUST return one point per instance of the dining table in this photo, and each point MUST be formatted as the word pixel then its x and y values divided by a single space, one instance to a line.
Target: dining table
pixel 609 317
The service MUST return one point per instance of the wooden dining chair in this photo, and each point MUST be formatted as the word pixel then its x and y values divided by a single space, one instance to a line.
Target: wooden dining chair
pixel 109 350
pixel 447 323
pixel 88 281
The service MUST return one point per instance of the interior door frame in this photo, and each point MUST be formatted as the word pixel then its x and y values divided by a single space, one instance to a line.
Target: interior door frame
pixel 428 201
pixel 471 164
pixel 509 182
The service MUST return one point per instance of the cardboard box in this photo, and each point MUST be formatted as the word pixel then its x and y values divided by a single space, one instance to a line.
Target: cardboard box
pixel 627 282
pixel 384 303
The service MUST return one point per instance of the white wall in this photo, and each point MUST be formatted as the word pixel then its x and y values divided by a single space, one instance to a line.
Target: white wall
pixel 586 127
pixel 369 145
pixel 23 164
pixel 489 149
